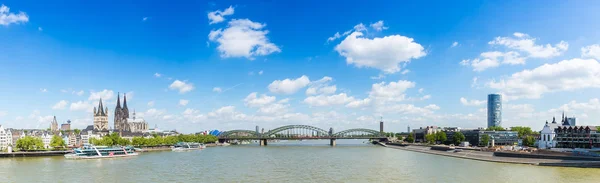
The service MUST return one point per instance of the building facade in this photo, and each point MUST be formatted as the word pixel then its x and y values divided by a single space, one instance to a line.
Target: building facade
pixel 422 132
pixel 577 137
pixel 100 118
pixel 5 138
pixel 494 110
pixel 66 126
pixel 121 115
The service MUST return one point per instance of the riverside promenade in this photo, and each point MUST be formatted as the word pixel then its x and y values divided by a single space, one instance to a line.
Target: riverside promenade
pixel 489 157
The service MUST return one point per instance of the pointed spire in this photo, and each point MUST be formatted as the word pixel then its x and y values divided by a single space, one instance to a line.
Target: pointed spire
pixel 125 109
pixel 124 100
pixel 118 100
pixel 100 108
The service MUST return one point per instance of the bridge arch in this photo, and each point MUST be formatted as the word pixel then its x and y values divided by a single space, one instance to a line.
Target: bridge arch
pixel 357 132
pixel 319 131
pixel 238 133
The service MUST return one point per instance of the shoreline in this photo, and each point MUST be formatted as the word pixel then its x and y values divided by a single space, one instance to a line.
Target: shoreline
pixel 489 157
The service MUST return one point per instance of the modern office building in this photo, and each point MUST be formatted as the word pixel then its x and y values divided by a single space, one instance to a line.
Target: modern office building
pixel 577 137
pixel 494 110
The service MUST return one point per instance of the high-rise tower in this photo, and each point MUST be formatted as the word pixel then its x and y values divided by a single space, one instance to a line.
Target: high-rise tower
pixel 494 110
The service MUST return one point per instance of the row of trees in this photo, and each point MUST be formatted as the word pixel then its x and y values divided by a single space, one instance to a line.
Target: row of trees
pixel 29 143
pixel 439 137
pixel 115 139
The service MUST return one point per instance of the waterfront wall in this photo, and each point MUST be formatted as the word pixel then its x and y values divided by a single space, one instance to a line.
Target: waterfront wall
pixel 33 154
pixel 543 156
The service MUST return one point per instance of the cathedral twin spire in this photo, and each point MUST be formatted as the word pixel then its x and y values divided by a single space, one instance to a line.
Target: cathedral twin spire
pixel 121 113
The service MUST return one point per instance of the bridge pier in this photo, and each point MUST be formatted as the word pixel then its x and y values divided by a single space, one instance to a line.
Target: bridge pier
pixel 263 142
pixel 332 142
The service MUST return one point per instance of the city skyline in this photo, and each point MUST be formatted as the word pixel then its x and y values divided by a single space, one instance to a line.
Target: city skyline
pixel 227 65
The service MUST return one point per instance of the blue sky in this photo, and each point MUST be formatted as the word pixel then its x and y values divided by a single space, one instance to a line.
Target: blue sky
pixel 198 65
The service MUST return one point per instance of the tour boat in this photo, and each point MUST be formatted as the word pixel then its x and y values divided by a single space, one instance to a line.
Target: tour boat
pixel 90 151
pixel 185 146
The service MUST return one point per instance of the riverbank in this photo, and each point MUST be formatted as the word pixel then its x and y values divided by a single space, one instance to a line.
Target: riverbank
pixel 489 157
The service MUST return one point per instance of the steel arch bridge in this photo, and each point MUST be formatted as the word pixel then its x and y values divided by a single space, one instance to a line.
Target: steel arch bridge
pixel 297 129
pixel 358 132
pixel 301 132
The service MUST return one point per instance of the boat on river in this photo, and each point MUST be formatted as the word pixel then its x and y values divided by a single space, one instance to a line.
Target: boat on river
pixel 90 151
pixel 188 146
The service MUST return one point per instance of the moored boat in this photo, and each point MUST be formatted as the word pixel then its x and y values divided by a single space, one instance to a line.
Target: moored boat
pixel 90 151
pixel 187 146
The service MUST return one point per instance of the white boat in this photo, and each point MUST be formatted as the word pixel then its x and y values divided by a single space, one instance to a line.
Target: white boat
pixel 185 146
pixel 90 151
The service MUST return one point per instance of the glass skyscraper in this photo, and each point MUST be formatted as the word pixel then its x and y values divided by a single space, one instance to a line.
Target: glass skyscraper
pixel 494 110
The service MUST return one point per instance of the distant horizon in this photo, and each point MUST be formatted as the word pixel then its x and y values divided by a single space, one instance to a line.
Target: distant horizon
pixel 226 65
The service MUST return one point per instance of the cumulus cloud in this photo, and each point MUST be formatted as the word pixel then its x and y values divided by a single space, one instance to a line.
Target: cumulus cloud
pixel 522 46
pixel 384 53
pixel 183 102
pixel 393 91
pixel 219 16
pixel 467 102
pixel 243 38
pixel 104 94
pixel 81 106
pixel 289 86
pixel 324 100
pixel 7 17
pixel 151 104
pixel 566 75
pixel 591 51
pixel 253 100
pixel 182 86
pixel 321 86
pixel 359 103
pixel 60 105
pixel 455 44
pixel 217 89
pixel 378 26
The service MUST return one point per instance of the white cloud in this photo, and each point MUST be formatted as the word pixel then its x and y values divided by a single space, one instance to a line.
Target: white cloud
pixel 524 43
pixel 591 51
pixel 7 17
pixel 288 86
pixel 43 90
pixel 154 113
pixel 60 105
pixel 407 109
pixel 357 28
pixel 521 43
pixel 421 90
pixel 144 19
pixel 218 15
pixel 493 59
pixel 566 75
pixel 593 105
pixel 393 91
pixel 385 53
pixel 323 100
pixel 405 71
pixel 104 94
pixel 378 26
pixel 151 104
pixel 455 44
pixel 183 102
pixel 359 103
pixel 275 108
pixel 474 82
pixel 252 100
pixel 432 107
pixel 243 38
pixel 260 72
pixel 157 75
pixel 467 102
pixel 40 29
pixel 79 93
pixel 380 76
pixel 182 86
pixel 321 86
pixel 217 89
pixel 81 106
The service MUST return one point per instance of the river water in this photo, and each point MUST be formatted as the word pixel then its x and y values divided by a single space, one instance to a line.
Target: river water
pixel 306 161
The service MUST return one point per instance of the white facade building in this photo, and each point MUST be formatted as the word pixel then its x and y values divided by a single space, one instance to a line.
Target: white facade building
pixel 547 135
pixel 46 138
pixel 5 138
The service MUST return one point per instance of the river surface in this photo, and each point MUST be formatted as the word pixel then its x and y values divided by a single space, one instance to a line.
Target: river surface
pixel 292 161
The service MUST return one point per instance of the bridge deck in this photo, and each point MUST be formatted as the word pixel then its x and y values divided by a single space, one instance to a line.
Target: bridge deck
pixel 294 138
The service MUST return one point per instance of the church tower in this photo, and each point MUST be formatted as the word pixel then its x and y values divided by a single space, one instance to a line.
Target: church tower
pixel 125 109
pixel 100 118
pixel 117 118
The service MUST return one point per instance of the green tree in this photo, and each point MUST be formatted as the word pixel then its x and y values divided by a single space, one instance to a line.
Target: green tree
pixel 410 138
pixel 57 142
pixel 458 138
pixel 522 131
pixel 485 139
pixel 495 128
pixel 77 131
pixel 30 143
pixel 528 141
pixel 430 138
pixel 441 137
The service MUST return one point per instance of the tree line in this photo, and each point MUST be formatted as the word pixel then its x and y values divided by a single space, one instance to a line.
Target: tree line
pixel 114 139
